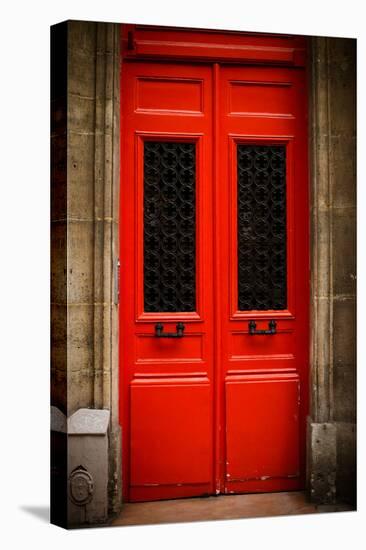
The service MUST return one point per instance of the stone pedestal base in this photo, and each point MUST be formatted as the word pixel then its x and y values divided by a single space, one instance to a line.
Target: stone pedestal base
pixel 322 462
pixel 332 462
pixel 86 494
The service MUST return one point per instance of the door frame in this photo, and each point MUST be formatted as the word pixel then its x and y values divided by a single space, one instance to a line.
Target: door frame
pixel 177 45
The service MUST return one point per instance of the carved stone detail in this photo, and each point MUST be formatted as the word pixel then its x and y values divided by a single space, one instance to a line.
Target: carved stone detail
pixel 81 486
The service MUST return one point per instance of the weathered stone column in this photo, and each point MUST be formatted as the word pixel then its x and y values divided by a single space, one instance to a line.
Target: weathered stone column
pixel 85 236
pixel 331 427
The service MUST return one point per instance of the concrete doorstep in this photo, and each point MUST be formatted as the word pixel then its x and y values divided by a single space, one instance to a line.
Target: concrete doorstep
pixel 221 507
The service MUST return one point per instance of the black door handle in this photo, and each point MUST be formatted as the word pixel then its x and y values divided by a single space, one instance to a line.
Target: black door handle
pixel 272 326
pixel 159 331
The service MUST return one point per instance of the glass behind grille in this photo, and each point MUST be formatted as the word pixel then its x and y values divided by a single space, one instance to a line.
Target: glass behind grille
pixel 262 283
pixel 169 226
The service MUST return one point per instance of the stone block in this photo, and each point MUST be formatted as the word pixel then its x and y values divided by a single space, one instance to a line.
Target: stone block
pixel 88 467
pixel 343 171
pixel 80 262
pixel 80 192
pixel 344 251
pixel 80 330
pixel 80 390
pixel 322 462
pixel 88 422
pixel 82 36
pixel 319 194
pixel 346 462
pixel 79 444
pixel 321 243
pixel 344 393
pixel 342 86
pixel 81 62
pixel 344 331
pixel 321 358
pixel 81 114
pixel 318 86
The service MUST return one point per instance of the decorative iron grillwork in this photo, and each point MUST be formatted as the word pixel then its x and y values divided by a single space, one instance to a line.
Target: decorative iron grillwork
pixel 262 281
pixel 169 226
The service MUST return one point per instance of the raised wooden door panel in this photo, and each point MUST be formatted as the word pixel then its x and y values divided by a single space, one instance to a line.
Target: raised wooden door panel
pixel 262 419
pixel 166 228
pixel 264 234
pixel 171 445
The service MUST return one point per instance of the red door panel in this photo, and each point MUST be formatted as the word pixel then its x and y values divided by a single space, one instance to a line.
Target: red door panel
pixel 242 346
pixel 169 95
pixel 214 273
pixel 150 351
pixel 243 98
pixel 170 420
pixel 262 415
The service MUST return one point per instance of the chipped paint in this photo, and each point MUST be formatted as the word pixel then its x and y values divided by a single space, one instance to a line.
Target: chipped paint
pixel 263 478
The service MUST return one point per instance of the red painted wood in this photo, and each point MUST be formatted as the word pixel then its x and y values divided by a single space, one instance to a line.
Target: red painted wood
pixel 149 42
pixel 262 425
pixel 167 411
pixel 282 120
pixel 218 410
pixel 171 441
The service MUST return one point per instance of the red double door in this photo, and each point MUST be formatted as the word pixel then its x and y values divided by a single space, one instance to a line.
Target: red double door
pixel 213 280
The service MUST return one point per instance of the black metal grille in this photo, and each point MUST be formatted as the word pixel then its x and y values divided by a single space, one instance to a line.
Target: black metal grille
pixel 262 227
pixel 169 226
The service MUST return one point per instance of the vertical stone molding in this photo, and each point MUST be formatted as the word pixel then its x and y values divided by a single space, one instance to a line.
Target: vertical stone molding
pixel 331 428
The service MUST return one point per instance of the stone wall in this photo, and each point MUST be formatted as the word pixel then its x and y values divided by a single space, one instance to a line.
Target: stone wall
pixel 84 218
pixel 332 439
